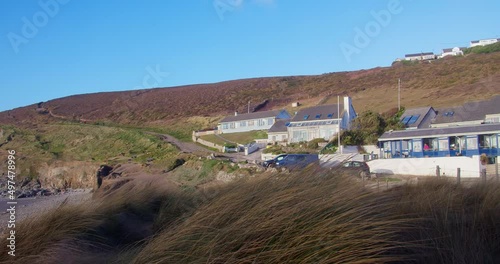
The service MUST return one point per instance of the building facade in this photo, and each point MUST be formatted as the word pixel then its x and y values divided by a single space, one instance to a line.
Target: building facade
pixel 324 121
pixel 251 121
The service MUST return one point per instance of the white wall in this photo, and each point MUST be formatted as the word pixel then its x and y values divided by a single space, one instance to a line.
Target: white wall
pixel 470 167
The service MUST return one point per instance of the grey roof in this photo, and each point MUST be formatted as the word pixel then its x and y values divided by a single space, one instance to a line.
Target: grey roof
pixel 250 116
pixel 322 110
pixel 470 111
pixel 422 111
pixel 451 49
pixel 474 41
pixel 279 126
pixel 419 54
pixel 437 132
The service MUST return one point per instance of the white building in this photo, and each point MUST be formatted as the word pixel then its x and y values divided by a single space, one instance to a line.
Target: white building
pixel 251 121
pixel 323 121
pixel 483 42
pixel 456 51
pixel 420 56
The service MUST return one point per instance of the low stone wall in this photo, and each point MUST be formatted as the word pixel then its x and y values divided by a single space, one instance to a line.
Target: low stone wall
pixel 207 143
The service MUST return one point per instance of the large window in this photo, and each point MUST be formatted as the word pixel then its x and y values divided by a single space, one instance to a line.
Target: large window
pixel 251 123
pixel 243 123
pixel 471 142
pixel 261 122
pixel 232 125
pixel 417 145
pixel 270 121
pixel 443 144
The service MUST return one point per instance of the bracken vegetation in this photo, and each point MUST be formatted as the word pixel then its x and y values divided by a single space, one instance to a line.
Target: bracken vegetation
pixel 311 216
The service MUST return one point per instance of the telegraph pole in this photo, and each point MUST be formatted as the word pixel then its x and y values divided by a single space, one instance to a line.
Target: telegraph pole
pixel 339 121
pixel 399 94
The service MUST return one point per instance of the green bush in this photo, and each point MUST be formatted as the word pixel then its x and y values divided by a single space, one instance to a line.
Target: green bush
pixel 313 144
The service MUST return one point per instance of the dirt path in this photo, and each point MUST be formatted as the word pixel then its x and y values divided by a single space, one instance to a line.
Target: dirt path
pixel 189 147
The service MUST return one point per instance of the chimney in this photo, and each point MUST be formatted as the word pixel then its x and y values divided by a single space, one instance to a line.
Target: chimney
pixel 235 113
pixel 347 108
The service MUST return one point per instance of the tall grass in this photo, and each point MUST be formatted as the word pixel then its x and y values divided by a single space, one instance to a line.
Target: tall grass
pixel 307 217
pixel 107 228
pixel 311 216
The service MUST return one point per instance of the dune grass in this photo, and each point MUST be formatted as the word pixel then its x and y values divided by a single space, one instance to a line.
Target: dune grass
pixel 310 216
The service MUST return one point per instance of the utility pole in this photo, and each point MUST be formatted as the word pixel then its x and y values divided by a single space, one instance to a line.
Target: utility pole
pixel 399 94
pixel 339 121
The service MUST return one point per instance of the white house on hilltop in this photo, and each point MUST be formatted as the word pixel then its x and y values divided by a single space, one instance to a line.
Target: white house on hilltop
pixel 483 42
pixel 420 56
pixel 456 51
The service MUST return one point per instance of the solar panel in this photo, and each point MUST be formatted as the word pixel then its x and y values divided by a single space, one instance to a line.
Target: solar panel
pixel 406 119
pixel 306 117
pixel 330 115
pixel 318 115
pixel 413 119
pixel 451 113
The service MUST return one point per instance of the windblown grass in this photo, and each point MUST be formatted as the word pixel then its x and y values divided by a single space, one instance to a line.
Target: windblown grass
pixel 311 216
pixel 299 218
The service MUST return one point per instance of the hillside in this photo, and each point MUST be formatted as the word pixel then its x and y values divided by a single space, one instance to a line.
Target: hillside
pixel 443 82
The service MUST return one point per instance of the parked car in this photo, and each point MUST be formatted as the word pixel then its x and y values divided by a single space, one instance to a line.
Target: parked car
pixel 359 168
pixel 292 161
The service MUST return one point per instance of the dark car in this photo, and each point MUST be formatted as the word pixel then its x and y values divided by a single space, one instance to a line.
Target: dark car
pixel 359 168
pixel 292 161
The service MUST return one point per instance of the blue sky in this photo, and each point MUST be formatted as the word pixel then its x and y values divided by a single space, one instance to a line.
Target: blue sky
pixel 55 48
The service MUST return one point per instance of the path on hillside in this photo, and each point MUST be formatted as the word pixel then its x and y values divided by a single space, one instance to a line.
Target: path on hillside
pixel 190 147
pixel 187 147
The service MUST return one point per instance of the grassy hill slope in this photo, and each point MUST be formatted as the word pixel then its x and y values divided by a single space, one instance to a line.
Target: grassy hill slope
pixel 449 81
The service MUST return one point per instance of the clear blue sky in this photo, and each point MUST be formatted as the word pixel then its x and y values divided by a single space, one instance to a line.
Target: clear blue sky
pixel 66 47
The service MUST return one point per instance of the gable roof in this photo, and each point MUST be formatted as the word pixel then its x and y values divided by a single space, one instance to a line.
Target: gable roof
pixel 470 111
pixel 250 116
pixel 437 132
pixel 320 112
pixel 279 126
pixel 419 54
pixel 451 49
pixel 420 113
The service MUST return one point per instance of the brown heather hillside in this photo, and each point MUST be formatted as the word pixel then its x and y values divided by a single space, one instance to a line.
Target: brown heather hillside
pixel 443 82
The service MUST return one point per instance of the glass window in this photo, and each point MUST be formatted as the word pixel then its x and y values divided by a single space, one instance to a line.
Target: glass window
pixel 250 123
pixel 494 141
pixel 225 126
pixel 443 144
pixel 231 125
pixel 270 121
pixel 417 145
pixel 471 142
pixel 243 123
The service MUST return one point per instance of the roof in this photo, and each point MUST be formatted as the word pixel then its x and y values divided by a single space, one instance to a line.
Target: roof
pixel 470 111
pixel 451 49
pixel 249 116
pixel 419 113
pixel 320 112
pixel 474 41
pixel 436 132
pixel 419 54
pixel 278 126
